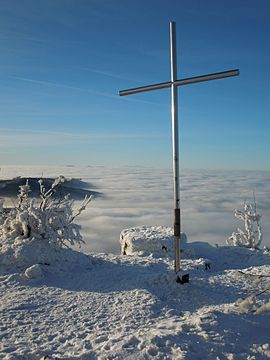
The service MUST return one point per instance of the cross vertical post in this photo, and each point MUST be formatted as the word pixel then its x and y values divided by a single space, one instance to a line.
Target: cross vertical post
pixel 175 143
pixel 173 84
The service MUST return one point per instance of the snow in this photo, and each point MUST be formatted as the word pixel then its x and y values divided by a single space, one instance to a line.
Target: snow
pixel 155 240
pixel 34 271
pixel 263 308
pixel 64 304
pixel 248 237
pixel 104 306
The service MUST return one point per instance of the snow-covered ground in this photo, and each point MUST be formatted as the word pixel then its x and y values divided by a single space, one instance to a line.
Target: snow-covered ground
pixel 70 305
pixel 130 307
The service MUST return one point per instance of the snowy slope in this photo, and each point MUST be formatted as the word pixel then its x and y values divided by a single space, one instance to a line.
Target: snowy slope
pixel 130 307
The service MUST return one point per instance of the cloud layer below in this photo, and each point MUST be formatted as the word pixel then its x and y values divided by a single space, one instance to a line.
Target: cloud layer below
pixel 143 196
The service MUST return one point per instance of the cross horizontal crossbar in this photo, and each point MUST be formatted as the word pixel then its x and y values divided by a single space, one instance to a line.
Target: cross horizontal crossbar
pixel 186 81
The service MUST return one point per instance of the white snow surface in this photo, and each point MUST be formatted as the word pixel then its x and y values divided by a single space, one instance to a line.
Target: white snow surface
pixel 101 306
pixel 146 240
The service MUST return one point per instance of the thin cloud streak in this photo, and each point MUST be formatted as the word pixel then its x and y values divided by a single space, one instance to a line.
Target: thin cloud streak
pixel 111 75
pixel 30 38
pixel 22 37
pixel 49 83
pixel 25 137
pixel 93 92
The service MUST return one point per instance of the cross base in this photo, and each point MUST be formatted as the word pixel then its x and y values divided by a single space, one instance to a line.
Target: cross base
pixel 182 279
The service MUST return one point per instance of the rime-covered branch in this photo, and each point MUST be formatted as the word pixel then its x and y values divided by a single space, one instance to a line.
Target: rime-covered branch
pixel 250 237
pixel 50 220
pixel 45 195
pixel 82 207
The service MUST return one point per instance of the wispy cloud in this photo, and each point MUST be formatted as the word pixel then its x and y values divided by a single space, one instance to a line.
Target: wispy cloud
pixel 54 84
pixel 22 37
pixel 90 91
pixel 29 138
pixel 111 75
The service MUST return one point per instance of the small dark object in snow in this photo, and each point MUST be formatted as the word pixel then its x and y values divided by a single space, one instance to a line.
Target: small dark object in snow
pixel 47 264
pixel 125 248
pixel 207 266
pixel 47 357
pixel 164 248
pixel 183 279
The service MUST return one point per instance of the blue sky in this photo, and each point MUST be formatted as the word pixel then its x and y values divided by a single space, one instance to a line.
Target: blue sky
pixel 63 62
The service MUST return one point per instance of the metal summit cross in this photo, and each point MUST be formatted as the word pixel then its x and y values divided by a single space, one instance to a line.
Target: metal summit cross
pixel 173 84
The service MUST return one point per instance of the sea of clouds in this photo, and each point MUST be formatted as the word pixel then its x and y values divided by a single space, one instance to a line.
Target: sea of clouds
pixel 135 196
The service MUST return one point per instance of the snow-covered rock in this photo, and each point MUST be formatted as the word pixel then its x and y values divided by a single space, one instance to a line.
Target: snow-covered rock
pixel 34 272
pixel 158 241
pixel 146 240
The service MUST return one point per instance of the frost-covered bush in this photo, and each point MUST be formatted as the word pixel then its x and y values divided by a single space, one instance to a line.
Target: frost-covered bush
pixel 251 236
pixel 49 219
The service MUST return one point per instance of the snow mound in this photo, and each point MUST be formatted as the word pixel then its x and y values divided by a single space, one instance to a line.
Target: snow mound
pixel 144 240
pixel 34 234
pixel 158 241
pixel 263 308
pixel 32 255
pixel 34 271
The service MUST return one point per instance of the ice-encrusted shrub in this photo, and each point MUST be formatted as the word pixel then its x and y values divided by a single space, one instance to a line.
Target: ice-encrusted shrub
pixel 49 219
pixel 251 236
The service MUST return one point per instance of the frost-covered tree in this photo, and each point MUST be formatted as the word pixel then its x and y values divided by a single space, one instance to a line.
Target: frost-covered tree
pixel 49 219
pixel 251 236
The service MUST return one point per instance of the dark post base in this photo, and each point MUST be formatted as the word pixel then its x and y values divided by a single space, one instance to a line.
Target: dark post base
pixel 182 279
